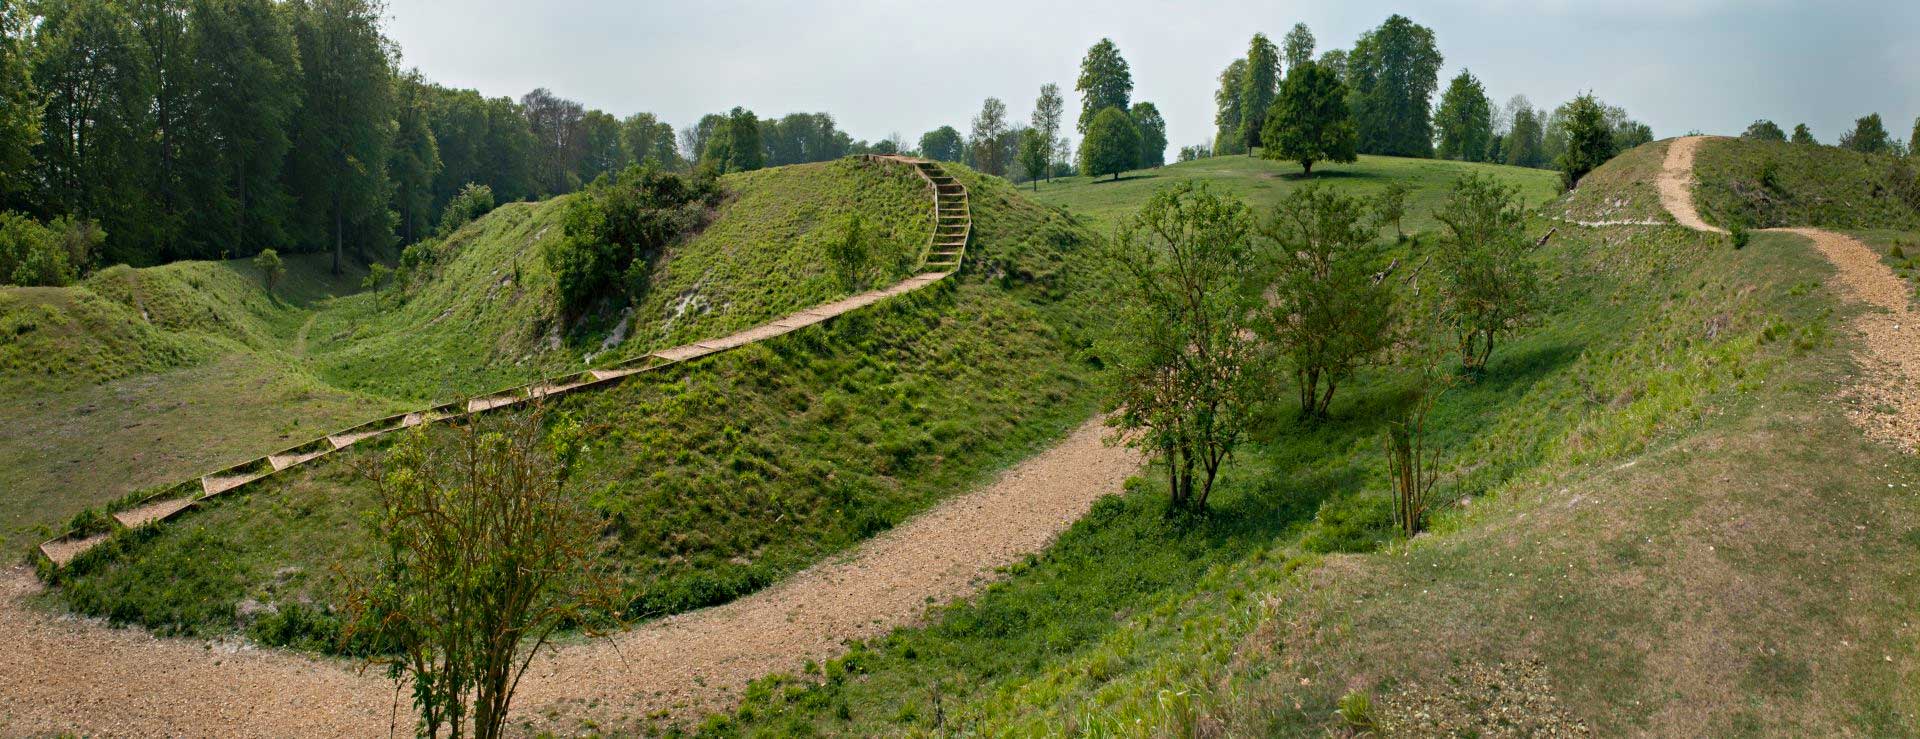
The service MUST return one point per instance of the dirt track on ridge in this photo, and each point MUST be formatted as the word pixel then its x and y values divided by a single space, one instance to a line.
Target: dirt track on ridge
pixel 72 675
pixel 1886 396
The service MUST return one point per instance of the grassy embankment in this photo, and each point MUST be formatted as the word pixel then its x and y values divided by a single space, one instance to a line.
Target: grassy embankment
pixel 141 377
pixel 720 476
pixel 1664 525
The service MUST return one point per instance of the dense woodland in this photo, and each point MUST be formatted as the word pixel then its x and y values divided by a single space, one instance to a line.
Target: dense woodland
pixel 147 131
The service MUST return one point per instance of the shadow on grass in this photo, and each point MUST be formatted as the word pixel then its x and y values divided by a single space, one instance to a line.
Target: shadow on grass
pixel 1330 174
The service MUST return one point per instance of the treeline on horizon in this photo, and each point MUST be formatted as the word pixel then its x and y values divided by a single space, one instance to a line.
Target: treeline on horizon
pixel 1388 81
pixel 147 131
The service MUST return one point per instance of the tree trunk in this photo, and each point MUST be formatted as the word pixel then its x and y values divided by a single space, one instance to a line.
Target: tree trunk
pixel 337 238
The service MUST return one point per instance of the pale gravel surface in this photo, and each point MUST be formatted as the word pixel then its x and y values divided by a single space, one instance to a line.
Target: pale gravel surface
pixel 70 675
pixel 1886 396
pixel 1676 184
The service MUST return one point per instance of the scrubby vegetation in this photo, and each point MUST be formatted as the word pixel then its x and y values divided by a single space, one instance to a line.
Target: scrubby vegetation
pixel 1767 184
pixel 1111 631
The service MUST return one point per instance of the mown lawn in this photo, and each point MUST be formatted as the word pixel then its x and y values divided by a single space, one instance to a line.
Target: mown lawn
pixel 1262 183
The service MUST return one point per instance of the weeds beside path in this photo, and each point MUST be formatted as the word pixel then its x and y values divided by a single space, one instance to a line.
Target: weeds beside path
pixel 1886 396
pixel 68 675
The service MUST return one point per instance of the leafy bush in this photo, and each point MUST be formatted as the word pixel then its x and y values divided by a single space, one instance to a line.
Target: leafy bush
pixel 472 202
pixel 617 225
pixel 272 269
pixel 852 255
pixel 32 254
pixel 1739 235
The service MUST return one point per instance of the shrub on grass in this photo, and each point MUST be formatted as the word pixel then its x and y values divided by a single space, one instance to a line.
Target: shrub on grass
pixel 1490 283
pixel 272 269
pixel 472 202
pixel 30 254
pixel 851 255
pixel 1327 315
pixel 1739 235
pixel 617 225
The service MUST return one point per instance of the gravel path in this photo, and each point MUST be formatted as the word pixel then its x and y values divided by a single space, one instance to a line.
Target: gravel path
pixel 1886 397
pixel 1676 184
pixel 71 675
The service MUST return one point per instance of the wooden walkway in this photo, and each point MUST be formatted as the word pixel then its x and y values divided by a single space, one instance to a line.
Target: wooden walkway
pixel 953 225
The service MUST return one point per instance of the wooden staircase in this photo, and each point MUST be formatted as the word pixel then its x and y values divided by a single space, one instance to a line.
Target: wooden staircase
pixel 952 225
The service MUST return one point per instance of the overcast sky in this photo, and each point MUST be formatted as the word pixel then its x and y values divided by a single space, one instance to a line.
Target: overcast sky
pixel 907 67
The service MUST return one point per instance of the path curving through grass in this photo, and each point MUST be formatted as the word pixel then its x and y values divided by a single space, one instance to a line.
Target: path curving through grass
pixel 1885 396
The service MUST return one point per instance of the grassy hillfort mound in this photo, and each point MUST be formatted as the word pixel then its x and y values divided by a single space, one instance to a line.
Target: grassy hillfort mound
pixel 166 372
pixel 1609 560
pixel 718 478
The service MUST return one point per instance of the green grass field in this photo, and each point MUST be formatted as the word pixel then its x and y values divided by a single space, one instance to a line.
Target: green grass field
pixel 141 377
pixel 1262 183
pixel 1664 525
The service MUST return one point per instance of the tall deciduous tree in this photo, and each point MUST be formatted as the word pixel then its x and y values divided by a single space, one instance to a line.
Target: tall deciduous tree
pixel 1227 114
pixel 1589 139
pixel 734 145
pixel 1186 369
pixel 1153 134
pixel 645 138
pixel 19 107
pixel 555 122
pixel 1298 46
pixel 1105 82
pixel 1393 71
pixel 988 142
pixel 1048 111
pixel 247 93
pixel 1036 155
pixel 1328 316
pixel 95 130
pixel 1112 145
pixel 1465 120
pixel 1803 135
pixel 161 26
pixel 600 150
pixel 1310 121
pixel 1525 145
pixel 941 144
pixel 415 160
pixel 1257 89
pixel 337 170
pixel 509 152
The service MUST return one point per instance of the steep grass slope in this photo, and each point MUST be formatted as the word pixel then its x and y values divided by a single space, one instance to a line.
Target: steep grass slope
pixel 488 317
pixel 1622 190
pixel 720 476
pixel 1763 184
pixel 140 377
pixel 1263 182
pixel 1661 524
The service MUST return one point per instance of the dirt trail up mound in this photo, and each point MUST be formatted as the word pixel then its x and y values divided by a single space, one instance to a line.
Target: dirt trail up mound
pixel 1886 395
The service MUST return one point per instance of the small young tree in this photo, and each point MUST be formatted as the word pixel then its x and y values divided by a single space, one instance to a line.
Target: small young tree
pixel 1112 144
pixel 1310 121
pixel 1390 207
pixel 1764 130
pixel 1589 139
pixel 1186 366
pixel 1329 316
pixel 485 551
pixel 1036 155
pixel 1412 467
pixel 852 254
pixel 272 270
pixel 1490 284
pixel 1803 135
